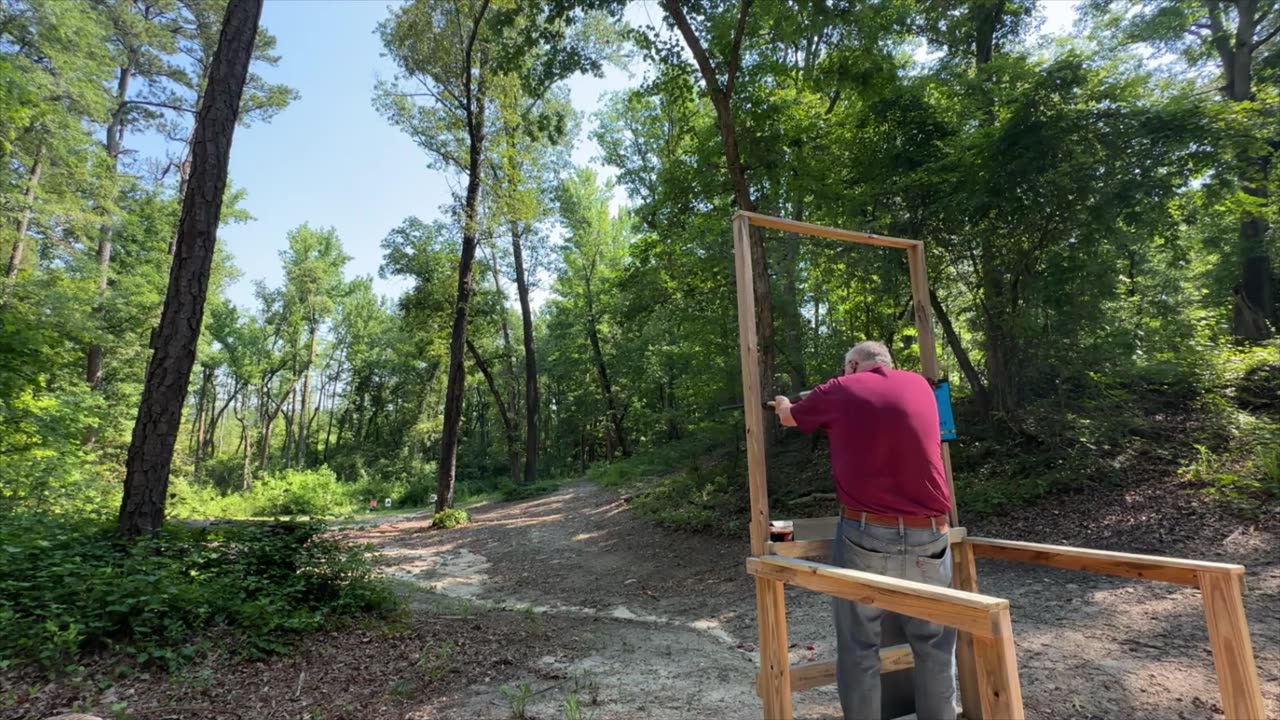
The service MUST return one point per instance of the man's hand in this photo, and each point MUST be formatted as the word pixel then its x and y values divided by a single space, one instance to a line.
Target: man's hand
pixel 782 407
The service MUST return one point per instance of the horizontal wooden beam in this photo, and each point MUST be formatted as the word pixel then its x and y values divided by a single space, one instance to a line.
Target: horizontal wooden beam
pixel 1145 567
pixel 804 228
pixel 806 676
pixel 970 612
pixel 822 548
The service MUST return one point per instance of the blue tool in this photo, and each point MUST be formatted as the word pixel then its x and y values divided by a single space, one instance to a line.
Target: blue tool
pixel 947 421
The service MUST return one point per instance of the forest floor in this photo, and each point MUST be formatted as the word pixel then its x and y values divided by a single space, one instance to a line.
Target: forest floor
pixel 649 622
pixel 573 596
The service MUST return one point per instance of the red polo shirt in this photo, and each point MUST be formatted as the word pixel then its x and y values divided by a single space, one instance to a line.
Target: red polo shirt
pixel 886 447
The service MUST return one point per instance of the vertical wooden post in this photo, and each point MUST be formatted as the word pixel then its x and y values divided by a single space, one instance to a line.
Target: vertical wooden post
pixel 771 612
pixel 1232 647
pixel 964 572
pixel 965 577
pixel 997 672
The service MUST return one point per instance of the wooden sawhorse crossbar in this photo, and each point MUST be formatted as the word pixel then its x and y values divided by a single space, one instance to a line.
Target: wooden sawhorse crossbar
pixel 985 657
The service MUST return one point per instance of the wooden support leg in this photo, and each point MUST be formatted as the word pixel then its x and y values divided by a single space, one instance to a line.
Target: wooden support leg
pixel 965 577
pixel 999 688
pixel 775 662
pixel 1232 648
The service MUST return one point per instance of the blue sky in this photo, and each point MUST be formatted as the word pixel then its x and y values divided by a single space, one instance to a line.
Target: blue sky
pixel 331 160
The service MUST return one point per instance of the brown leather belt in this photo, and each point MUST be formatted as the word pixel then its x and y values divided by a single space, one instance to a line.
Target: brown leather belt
pixel 940 521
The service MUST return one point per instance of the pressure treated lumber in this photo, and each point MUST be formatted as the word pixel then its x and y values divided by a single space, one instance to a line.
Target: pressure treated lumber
pixel 965 577
pixel 999 688
pixel 822 548
pixel 804 228
pixel 806 676
pixel 771 607
pixel 955 608
pixel 1146 567
pixel 775 662
pixel 1232 647
pixel 752 412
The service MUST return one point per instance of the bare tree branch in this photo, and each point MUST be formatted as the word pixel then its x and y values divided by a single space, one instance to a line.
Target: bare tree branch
pixel 676 13
pixel 163 106
pixel 735 50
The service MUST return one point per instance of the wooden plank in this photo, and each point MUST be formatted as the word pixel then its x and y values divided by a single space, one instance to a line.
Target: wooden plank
pixel 999 687
pixel 955 608
pixel 928 347
pixel 752 411
pixel 806 676
pixel 1146 567
pixel 822 548
pixel 775 662
pixel 804 228
pixel 1232 646
pixel 964 576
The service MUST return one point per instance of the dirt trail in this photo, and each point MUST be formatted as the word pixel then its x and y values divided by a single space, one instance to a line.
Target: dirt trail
pixel 661 624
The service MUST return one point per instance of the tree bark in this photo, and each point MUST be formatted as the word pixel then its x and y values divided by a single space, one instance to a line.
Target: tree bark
pixel 508 422
pixel 602 374
pixel 301 438
pixel 174 348
pixel 24 221
pixel 455 388
pixel 962 356
pixel 115 146
pixel 530 361
pixel 1252 310
pixel 722 100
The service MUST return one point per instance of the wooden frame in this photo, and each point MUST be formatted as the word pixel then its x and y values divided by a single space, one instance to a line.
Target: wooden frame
pixel 986 660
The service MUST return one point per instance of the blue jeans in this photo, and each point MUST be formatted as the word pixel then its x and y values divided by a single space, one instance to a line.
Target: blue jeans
pixel 922 555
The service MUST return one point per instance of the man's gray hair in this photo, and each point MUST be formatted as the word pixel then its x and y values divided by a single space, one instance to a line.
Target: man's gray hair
pixel 869 352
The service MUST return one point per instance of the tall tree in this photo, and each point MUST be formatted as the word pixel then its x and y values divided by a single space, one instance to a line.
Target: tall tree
pixel 720 76
pixel 449 53
pixel 443 50
pixel 160 410
pixel 591 255
pixel 313 266
pixel 1238 41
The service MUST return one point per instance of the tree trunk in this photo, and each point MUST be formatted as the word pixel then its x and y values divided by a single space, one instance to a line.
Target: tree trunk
pixel 602 373
pixel 24 221
pixel 455 389
pixel 160 410
pixel 530 361
pixel 115 146
pixel 301 437
pixel 962 356
pixel 508 422
pixel 722 100
pixel 246 475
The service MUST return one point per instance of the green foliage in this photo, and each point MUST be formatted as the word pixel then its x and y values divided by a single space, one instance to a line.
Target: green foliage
pixel 302 493
pixel 450 518
pixel 517 699
pixel 70 586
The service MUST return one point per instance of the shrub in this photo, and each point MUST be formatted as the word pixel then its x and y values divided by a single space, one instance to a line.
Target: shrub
pixel 69 586
pixel 450 518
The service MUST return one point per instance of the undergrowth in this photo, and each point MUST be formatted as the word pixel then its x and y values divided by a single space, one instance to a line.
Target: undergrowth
pixel 1214 424
pixel 70 587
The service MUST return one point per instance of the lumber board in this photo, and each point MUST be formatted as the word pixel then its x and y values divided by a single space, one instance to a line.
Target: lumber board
pixel 804 228
pixel 775 661
pixel 752 411
pixel 822 548
pixel 965 577
pixel 999 686
pixel 1103 562
pixel 1232 647
pixel 806 676
pixel 955 608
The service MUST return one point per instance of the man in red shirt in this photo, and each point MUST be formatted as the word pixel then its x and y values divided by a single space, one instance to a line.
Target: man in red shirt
pixel 886 456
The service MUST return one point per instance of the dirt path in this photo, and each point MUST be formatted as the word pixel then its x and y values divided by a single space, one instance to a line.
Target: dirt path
pixel 654 623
